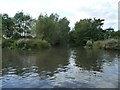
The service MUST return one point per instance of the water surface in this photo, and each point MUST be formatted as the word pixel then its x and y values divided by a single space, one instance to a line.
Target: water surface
pixel 60 67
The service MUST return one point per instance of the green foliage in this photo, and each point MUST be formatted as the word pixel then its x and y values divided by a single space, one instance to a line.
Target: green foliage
pixel 28 33
pixel 64 29
pixel 109 44
pixel 98 44
pixel 25 44
pixel 51 29
pixel 29 44
pixel 17 26
pixel 115 34
pixel 22 24
pixel 8 43
pixel 87 29
pixel 72 38
pixel 108 33
pixel 7 26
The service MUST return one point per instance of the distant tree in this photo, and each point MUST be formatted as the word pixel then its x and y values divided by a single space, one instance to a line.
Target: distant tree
pixel 52 29
pixel 7 26
pixel 109 32
pixel 115 34
pixel 47 28
pixel 97 31
pixel 72 37
pixel 88 29
pixel 64 29
pixel 22 24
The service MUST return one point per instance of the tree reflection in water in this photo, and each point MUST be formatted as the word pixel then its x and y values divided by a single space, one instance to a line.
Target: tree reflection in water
pixel 60 67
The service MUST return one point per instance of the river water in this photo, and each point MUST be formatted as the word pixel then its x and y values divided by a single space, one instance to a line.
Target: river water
pixel 60 68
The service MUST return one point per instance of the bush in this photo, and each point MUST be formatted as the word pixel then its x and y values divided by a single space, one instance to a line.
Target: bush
pixel 21 43
pixel 8 43
pixel 107 44
pixel 32 44
pixel 98 44
pixel 43 44
pixel 25 44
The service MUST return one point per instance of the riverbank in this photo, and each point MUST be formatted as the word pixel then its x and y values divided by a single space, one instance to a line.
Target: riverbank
pixel 25 44
pixel 109 44
pixel 33 44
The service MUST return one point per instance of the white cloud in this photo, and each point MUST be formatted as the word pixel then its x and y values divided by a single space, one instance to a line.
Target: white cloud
pixel 74 10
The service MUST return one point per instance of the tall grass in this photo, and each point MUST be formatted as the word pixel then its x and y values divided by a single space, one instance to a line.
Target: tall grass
pixel 107 44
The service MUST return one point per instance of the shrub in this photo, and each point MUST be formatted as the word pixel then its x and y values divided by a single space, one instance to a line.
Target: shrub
pixel 107 44
pixel 98 44
pixel 43 44
pixel 8 43
pixel 25 44
pixel 88 44
pixel 21 43
pixel 32 44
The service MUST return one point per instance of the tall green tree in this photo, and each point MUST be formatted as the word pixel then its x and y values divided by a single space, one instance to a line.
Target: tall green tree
pixel 52 29
pixel 22 23
pixel 87 29
pixel 47 28
pixel 64 29
pixel 7 26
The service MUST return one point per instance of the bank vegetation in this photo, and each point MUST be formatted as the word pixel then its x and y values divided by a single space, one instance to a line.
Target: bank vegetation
pixel 25 33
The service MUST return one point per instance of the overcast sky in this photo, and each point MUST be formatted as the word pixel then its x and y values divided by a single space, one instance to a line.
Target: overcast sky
pixel 74 10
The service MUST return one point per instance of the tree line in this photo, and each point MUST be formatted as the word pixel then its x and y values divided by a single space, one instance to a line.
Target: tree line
pixel 55 30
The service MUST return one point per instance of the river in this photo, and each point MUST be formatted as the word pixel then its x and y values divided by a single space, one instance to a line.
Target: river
pixel 60 68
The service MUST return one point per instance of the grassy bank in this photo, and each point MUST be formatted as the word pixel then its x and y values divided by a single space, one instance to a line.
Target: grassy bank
pixel 109 44
pixel 25 44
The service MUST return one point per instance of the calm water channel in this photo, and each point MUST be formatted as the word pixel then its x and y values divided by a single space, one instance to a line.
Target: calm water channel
pixel 60 67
